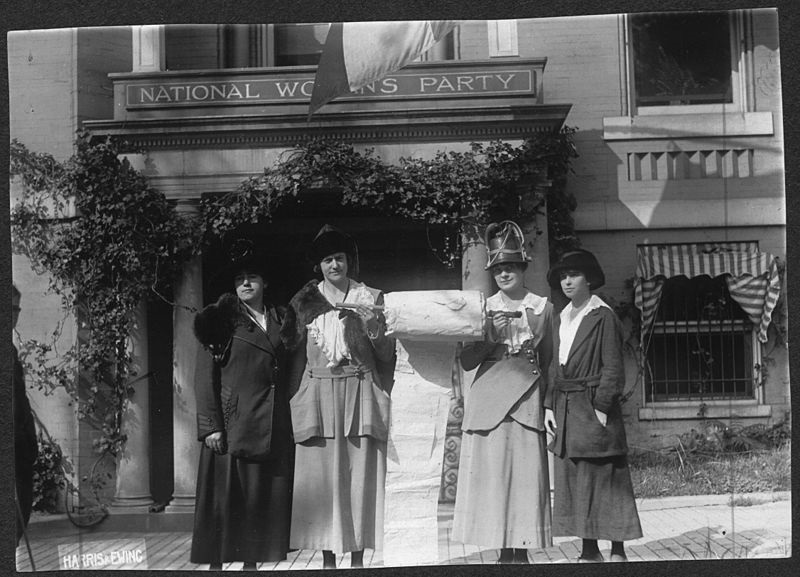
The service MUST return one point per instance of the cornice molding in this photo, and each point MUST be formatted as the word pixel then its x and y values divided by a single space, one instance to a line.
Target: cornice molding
pixel 259 131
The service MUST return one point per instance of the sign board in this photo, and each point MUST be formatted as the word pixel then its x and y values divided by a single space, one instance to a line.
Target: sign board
pixel 275 86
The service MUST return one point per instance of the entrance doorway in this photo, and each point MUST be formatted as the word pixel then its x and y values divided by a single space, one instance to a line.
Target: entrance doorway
pixel 394 254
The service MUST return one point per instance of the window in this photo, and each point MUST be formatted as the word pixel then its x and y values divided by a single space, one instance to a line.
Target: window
pixel 205 46
pixel 299 44
pixel 705 310
pixel 684 59
pixel 701 345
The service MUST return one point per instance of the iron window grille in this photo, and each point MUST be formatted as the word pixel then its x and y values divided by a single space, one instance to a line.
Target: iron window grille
pixel 702 346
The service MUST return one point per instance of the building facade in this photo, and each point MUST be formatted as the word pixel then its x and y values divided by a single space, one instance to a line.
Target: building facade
pixel 679 184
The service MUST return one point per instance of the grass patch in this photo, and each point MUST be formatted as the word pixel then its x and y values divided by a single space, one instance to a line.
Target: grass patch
pixel 675 472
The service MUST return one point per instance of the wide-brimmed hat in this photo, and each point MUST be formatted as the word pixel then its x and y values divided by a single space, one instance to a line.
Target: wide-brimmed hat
pixel 581 260
pixel 330 240
pixel 505 243
pixel 243 255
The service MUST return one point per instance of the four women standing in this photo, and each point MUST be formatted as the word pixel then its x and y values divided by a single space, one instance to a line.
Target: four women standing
pixel 339 375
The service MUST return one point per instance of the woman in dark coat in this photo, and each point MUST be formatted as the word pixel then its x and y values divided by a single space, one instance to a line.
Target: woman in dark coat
pixel 341 378
pixel 593 490
pixel 244 481
pixel 503 497
pixel 26 447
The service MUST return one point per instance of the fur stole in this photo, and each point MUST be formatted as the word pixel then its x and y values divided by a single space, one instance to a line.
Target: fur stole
pixel 215 324
pixel 307 305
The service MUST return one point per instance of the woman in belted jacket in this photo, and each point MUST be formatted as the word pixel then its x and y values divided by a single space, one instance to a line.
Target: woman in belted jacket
pixel 341 376
pixel 244 481
pixel 503 496
pixel 593 490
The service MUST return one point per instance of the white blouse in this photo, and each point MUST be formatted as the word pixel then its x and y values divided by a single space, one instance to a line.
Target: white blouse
pixel 518 330
pixel 327 329
pixel 260 319
pixel 569 328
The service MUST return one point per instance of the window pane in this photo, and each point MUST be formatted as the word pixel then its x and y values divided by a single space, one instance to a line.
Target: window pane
pixel 682 58
pixel 701 346
pixel 299 44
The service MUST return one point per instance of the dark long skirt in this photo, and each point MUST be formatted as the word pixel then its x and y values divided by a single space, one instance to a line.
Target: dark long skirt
pixel 594 499
pixel 242 511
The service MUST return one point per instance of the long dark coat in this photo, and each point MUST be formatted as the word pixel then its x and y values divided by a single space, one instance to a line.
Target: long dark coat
pixel 595 372
pixel 26 448
pixel 243 506
pixel 593 491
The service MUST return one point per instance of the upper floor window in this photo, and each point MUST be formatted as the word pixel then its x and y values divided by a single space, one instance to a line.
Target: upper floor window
pixel 684 59
pixel 199 47
pixel 298 44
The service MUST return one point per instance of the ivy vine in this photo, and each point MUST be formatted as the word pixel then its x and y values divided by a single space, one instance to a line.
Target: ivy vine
pixel 108 240
pixel 463 190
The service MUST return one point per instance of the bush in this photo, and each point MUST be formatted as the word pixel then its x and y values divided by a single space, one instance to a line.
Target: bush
pixel 716 460
pixel 48 477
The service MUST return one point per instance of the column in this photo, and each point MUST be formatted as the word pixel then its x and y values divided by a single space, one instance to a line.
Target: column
pixel 538 245
pixel 133 466
pixel 188 300
pixel 148 48
pixel 473 262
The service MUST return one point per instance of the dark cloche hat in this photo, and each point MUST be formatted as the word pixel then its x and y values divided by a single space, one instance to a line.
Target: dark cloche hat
pixel 505 243
pixel 330 240
pixel 581 260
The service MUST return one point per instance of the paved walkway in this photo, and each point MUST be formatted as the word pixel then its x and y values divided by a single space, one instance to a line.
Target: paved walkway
pixel 675 528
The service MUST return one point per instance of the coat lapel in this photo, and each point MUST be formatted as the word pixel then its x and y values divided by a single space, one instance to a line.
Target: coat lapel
pixel 584 330
pixel 255 336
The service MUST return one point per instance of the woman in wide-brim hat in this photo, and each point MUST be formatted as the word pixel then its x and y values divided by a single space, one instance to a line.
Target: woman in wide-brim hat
pixel 593 490
pixel 340 381
pixel 244 481
pixel 503 497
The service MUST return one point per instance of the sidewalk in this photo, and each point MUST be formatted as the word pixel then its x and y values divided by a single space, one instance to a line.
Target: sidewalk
pixel 675 528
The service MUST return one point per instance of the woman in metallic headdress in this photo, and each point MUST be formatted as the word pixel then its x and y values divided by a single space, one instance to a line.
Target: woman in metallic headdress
pixel 503 495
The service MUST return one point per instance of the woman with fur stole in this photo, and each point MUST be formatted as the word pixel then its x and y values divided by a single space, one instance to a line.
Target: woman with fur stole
pixel 244 481
pixel 340 381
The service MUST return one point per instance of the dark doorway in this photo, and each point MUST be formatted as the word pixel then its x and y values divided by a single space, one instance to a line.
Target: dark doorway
pixel 394 254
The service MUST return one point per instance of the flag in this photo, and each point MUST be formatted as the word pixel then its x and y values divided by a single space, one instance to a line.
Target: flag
pixel 357 53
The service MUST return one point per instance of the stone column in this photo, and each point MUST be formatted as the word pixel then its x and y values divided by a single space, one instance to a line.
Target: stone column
pixel 148 48
pixel 537 245
pixel 473 262
pixel 188 300
pixel 133 467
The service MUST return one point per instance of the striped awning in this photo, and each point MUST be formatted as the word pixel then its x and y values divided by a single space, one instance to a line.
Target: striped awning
pixel 752 276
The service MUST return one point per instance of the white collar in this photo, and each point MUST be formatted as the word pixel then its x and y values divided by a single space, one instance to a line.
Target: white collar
pixel 531 301
pixel 595 302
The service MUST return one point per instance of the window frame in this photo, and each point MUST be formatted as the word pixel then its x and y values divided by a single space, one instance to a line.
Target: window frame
pixel 740 46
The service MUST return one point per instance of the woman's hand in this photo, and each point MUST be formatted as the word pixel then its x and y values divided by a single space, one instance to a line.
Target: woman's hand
pixel 369 318
pixel 550 421
pixel 216 442
pixel 499 324
pixel 601 416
